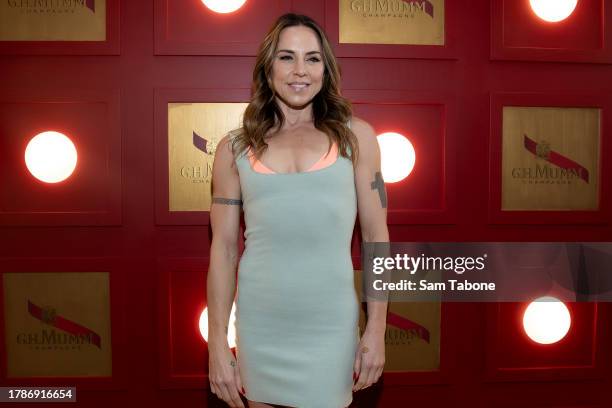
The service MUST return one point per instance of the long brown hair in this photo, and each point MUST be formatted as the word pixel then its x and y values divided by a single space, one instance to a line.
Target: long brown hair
pixel 331 110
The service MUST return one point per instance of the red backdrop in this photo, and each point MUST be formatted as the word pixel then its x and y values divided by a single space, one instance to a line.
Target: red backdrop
pixel 160 51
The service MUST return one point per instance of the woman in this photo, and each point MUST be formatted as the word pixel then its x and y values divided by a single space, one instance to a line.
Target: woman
pixel 299 168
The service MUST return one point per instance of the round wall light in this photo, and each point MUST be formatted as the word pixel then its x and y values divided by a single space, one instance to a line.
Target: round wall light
pixel 553 10
pixel 223 6
pixel 50 157
pixel 546 320
pixel 397 156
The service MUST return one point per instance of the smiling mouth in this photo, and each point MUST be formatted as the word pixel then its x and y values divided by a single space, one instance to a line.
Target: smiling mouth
pixel 299 87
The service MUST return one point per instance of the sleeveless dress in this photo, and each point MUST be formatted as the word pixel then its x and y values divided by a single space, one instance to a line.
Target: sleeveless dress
pixel 297 311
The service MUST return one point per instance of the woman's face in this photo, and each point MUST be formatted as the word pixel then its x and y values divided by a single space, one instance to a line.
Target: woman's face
pixel 298 69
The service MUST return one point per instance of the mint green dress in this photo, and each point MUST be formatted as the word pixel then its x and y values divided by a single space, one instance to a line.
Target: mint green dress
pixel 297 311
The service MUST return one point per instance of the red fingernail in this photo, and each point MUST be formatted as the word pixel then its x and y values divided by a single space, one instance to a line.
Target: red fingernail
pixel 243 391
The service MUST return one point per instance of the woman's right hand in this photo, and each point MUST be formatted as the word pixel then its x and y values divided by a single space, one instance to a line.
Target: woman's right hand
pixel 224 375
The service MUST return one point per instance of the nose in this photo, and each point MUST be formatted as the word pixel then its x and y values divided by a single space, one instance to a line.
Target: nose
pixel 300 68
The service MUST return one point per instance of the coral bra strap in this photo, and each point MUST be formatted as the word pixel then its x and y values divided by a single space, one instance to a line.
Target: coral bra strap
pixel 324 161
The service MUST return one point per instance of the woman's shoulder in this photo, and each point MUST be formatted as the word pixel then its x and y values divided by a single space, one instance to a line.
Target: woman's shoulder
pixel 231 141
pixel 365 133
pixel 233 134
pixel 227 151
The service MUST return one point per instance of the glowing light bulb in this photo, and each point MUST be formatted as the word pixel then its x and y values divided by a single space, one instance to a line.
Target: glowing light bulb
pixel 397 156
pixel 50 157
pixel 223 6
pixel 553 10
pixel 546 320
pixel 231 328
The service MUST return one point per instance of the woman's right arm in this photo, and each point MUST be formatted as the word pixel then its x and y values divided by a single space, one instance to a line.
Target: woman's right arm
pixel 223 370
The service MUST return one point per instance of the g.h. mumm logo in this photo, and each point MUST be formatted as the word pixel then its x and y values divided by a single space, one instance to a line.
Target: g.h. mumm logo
pixel 563 170
pixel 392 8
pixel 69 334
pixel 52 6
pixel 198 173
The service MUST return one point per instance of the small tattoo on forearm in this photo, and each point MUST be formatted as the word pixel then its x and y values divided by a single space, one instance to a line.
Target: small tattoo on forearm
pixel 379 184
pixel 229 201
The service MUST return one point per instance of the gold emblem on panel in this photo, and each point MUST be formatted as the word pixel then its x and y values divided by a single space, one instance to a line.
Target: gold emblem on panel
pixel 543 150
pixel 417 22
pixel 550 158
pixel 48 315
pixel 194 130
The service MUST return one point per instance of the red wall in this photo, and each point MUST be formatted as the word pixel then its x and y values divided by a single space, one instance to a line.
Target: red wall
pixel 153 256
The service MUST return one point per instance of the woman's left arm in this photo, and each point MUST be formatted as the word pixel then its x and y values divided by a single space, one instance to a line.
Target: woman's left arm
pixel 372 209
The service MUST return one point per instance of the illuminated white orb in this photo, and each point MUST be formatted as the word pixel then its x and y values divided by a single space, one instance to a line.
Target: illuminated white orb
pixel 546 320
pixel 231 328
pixel 50 157
pixel 223 6
pixel 553 10
pixel 397 156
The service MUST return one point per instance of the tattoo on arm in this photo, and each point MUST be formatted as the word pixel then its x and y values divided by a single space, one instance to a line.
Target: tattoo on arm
pixel 379 184
pixel 229 201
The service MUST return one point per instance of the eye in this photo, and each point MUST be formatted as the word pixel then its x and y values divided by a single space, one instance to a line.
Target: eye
pixel 285 57
pixel 314 59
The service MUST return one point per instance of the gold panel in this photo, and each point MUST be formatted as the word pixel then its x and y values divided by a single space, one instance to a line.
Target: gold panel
pixel 412 336
pixel 391 22
pixel 53 20
pixel 550 158
pixel 194 130
pixel 57 324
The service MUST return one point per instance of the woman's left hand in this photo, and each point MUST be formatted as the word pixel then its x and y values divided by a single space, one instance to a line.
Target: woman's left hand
pixel 369 359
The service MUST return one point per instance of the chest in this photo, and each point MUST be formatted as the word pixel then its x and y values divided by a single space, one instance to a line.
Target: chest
pixel 295 152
